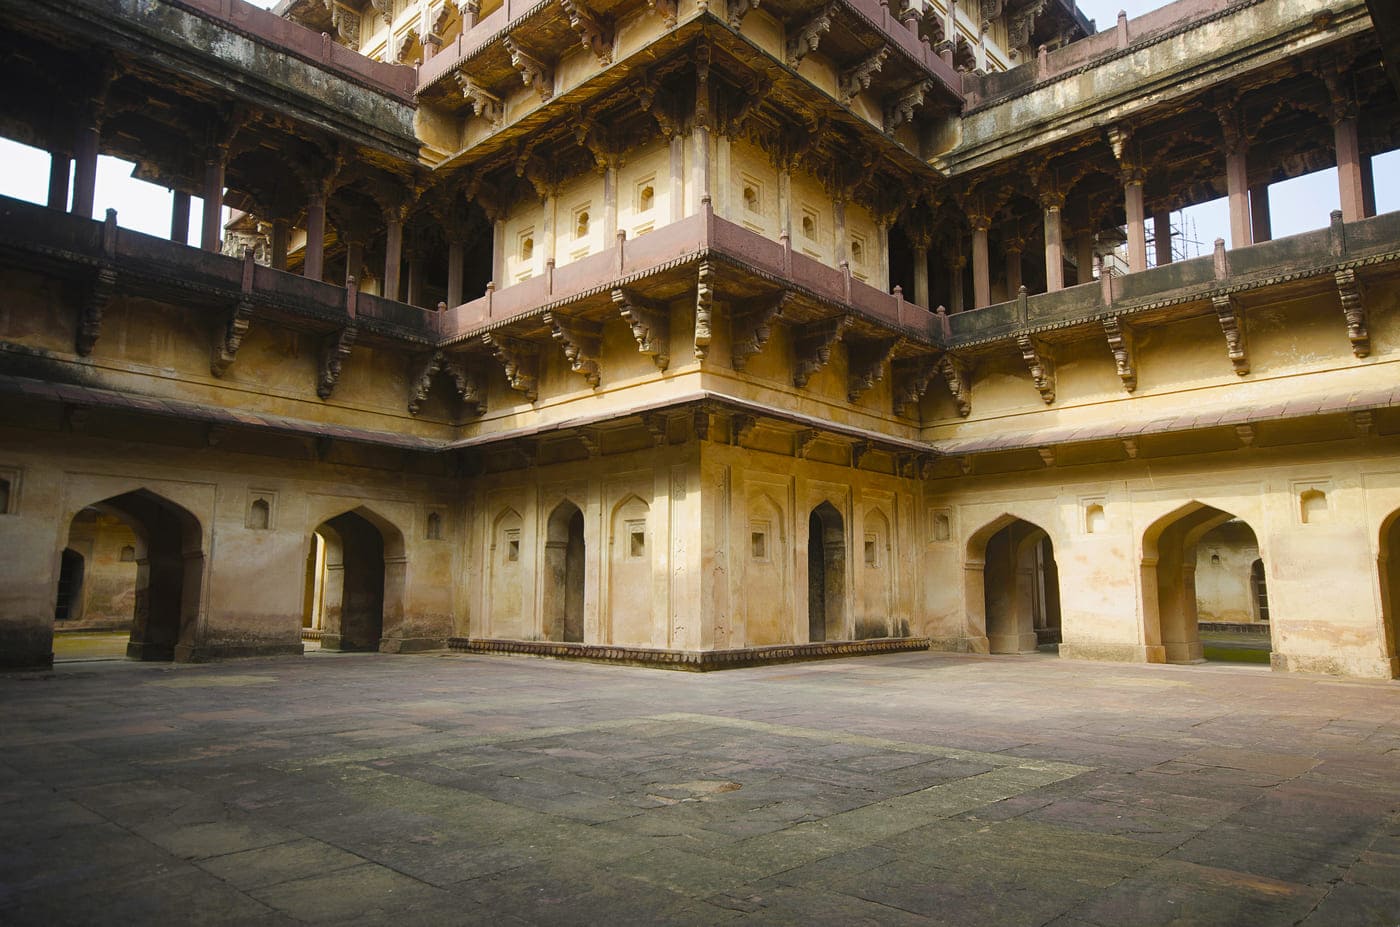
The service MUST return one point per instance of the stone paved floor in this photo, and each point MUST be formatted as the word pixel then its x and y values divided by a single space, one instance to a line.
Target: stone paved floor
pixel 905 789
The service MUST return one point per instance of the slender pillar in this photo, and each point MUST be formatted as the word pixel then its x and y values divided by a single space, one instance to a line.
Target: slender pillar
pixel 549 229
pixel 677 177
pixel 498 251
pixel 281 236
pixel 1368 186
pixel 213 193
pixel 1237 184
pixel 1162 237
pixel 702 166
pixel 1013 269
pixel 1137 223
pixel 1084 258
pixel 1349 170
pixel 883 228
pixel 981 270
pixel 180 222
pixel 838 214
pixel 921 296
pixel 354 261
pixel 1054 242
pixel 85 146
pixel 610 204
pixel 314 264
pixel 955 282
pixel 393 256
pixel 456 254
pixel 785 202
pixel 1260 225
pixel 59 165
pixel 415 280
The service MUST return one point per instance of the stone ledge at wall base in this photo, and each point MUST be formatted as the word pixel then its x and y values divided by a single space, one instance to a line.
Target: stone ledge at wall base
pixel 1377 667
pixel 411 644
pixel 698 661
pixel 1113 653
pixel 311 634
pixel 960 644
pixel 24 648
pixel 1260 628
pixel 211 653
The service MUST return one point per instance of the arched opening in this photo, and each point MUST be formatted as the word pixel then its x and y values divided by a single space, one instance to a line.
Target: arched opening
pixel 1388 563
pixel 1205 591
pixel 1020 588
pixel 348 606
pixel 826 574
pixel 129 581
pixel 564 574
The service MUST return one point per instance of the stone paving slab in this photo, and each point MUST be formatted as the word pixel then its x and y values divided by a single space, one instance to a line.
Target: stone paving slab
pixel 902 789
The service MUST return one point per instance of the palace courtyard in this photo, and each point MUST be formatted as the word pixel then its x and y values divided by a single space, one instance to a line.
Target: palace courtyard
pixel 918 788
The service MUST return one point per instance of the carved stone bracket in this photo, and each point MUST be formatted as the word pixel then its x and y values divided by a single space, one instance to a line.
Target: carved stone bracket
pixel 229 338
pixel 859 450
pixel 520 360
pixel 346 23
pixel 1120 342
pixel 812 343
pixel 666 9
pixel 469 385
pixel 1047 455
pixel 651 325
pixel 1227 311
pixel 700 423
pixel 334 351
pixel 857 78
pixel 423 382
pixel 592 441
pixel 484 104
pixel 595 31
pixel 738 9
pixel 741 426
pixel 955 374
pixel 752 326
pixel 704 308
pixel 1041 367
pixel 804 39
pixel 534 72
pixel 90 317
pixel 659 425
pixel 866 364
pixel 911 379
pixel 901 108
pixel 386 10
pixel 802 442
pixel 582 342
pixel 1354 307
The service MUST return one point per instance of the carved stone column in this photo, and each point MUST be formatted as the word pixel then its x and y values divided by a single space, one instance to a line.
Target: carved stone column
pixel 212 226
pixel 415 280
pixel 314 264
pixel 354 261
pixel 785 202
pixel 85 146
pixel 1260 224
pixel 921 294
pixel 59 165
pixel 281 235
pixel 180 222
pixel 1014 270
pixel 1236 176
pixel 1162 238
pixel 677 177
pixel 955 282
pixel 393 253
pixel 1349 168
pixel 1084 258
pixel 498 250
pixel 1053 203
pixel 838 215
pixel 1137 221
pixel 456 254
pixel 981 269
pixel 610 203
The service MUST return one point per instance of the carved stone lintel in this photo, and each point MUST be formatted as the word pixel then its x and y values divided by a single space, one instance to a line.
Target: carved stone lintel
pixel 859 450
pixel 651 325
pixel 1041 367
pixel 911 379
pixel 595 31
pixel 666 9
pixel 901 108
pixel 802 442
pixel 1120 342
pixel 1354 307
pixel 752 325
pixel 334 350
pixel 738 9
pixel 520 360
pixel 813 343
pixel 955 374
pixel 857 78
pixel 804 39
pixel 484 103
pixel 659 425
pixel 704 308
pixel 740 427
pixel 866 364
pixel 90 318
pixel 534 72
pixel 582 342
pixel 229 337
pixel 1226 310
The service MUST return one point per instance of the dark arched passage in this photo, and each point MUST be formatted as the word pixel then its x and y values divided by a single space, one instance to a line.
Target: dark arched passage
pixel 826 574
pixel 352 594
pixel 564 574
